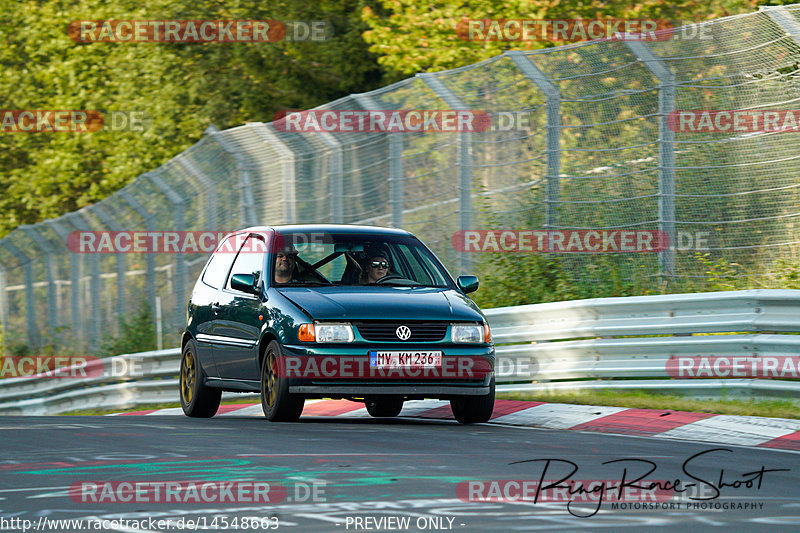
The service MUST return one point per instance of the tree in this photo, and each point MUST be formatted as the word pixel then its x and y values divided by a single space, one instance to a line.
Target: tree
pixel 413 36
pixel 181 88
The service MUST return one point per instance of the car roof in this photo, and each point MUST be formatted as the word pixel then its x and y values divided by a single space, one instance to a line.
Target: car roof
pixel 339 229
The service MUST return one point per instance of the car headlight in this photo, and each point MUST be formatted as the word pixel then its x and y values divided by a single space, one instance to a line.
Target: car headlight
pixel 468 333
pixel 334 332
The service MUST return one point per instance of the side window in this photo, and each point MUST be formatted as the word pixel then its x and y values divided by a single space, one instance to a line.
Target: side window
pixel 249 260
pixel 430 267
pixel 217 269
pixel 419 273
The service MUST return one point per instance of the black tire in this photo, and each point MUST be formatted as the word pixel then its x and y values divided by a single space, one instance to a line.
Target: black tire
pixel 197 400
pixel 383 408
pixel 473 409
pixel 277 403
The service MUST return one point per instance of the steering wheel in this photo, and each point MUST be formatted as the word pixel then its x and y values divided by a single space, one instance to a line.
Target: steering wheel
pixel 389 277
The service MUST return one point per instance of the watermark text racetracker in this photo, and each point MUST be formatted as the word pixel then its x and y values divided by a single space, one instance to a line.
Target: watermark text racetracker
pixel 185 242
pixel 744 366
pixel 157 242
pixel 198 31
pixel 192 492
pixel 563 30
pixel 734 120
pixel 71 120
pixel 576 30
pixel 382 120
pixel 575 241
pixel 71 366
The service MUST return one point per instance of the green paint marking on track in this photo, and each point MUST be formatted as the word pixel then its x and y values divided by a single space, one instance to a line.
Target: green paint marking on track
pixel 240 469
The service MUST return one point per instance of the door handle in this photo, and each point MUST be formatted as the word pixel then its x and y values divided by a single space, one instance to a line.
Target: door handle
pixel 215 307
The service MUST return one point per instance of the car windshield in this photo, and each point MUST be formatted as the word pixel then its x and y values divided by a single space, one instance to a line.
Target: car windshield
pixel 308 259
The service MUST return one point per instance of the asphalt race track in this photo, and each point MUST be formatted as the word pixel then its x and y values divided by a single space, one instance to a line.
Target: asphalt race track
pixel 356 474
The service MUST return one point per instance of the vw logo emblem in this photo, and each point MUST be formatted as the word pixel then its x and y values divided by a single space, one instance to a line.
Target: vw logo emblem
pixel 403 333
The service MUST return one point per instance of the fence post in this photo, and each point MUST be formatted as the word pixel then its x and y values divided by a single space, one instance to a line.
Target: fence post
pixel 553 151
pixel 47 263
pixel 287 170
pixel 464 162
pixel 396 203
pixel 246 209
pixel 335 174
pixel 207 190
pixel 3 309
pixel 180 261
pixel 666 151
pixel 76 318
pixel 783 18
pixel 99 211
pixel 25 262
pixel 150 260
pixel 93 331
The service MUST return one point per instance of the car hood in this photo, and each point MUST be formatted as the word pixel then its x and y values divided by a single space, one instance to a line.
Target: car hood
pixel 383 303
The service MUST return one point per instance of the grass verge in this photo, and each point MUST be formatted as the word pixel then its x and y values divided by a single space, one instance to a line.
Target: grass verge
pixel 649 400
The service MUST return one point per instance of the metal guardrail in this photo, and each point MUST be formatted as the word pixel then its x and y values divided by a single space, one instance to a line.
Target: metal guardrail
pixel 631 337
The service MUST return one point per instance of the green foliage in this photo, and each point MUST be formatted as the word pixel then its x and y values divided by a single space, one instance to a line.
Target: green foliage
pixel 137 334
pixel 788 274
pixel 181 88
pixel 413 36
pixel 720 274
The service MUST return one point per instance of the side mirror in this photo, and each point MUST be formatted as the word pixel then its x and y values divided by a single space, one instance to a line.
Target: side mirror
pixel 467 283
pixel 244 283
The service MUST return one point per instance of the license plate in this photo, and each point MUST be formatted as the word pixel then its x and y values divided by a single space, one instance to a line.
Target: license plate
pixel 405 359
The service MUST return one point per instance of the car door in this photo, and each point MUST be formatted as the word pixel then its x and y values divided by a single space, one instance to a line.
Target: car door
pixel 204 302
pixel 237 325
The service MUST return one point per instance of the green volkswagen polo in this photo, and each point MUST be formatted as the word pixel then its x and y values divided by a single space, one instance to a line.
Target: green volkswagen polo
pixel 331 311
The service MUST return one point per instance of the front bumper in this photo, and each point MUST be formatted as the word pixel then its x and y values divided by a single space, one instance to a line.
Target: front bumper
pixel 409 392
pixel 408 388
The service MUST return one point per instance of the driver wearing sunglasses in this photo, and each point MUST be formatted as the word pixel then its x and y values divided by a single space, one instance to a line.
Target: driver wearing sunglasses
pixel 377 267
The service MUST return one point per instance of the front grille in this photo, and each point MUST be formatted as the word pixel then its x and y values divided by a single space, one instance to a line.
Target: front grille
pixel 386 331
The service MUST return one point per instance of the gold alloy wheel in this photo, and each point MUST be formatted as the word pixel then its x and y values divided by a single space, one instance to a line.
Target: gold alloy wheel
pixel 187 377
pixel 270 379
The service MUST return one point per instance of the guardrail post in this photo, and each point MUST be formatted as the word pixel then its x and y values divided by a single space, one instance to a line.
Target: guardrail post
pixel 180 262
pixel 335 171
pixel 150 260
pixel 247 211
pixel 30 302
pixel 288 173
pixel 99 211
pixel 464 162
pixel 666 151
pixel 48 265
pixel 77 220
pixel 553 151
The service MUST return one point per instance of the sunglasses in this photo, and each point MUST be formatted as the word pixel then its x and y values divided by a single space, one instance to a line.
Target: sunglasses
pixel 379 264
